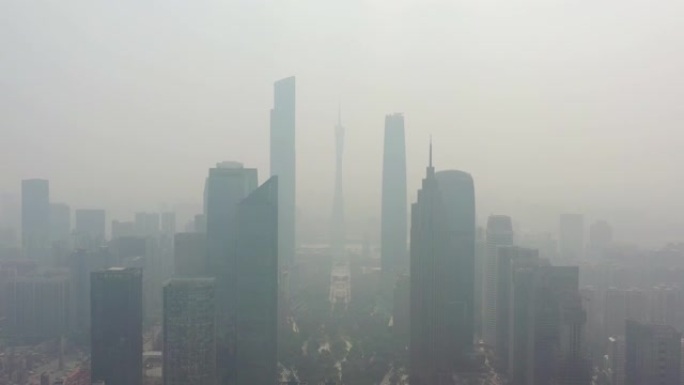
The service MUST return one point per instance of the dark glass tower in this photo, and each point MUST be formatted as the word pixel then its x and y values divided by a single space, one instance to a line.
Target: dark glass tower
pixel 189 332
pixel 435 310
pixel 283 164
pixel 35 218
pixel 458 197
pixel 227 185
pixel 116 326
pixel 256 308
pixel 394 201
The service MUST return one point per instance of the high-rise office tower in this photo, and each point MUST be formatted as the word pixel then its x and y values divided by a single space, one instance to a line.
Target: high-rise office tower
pixel 256 287
pixel 34 307
pixel 458 197
pixel 283 165
pixel 571 237
pixel 434 338
pixel 90 228
pixel 547 320
pixel 227 185
pixel 510 258
pixel 60 222
pixel 189 332
pixel 35 218
pixel 616 357
pixel 499 233
pixel 652 354
pixel 116 326
pixel 338 229
pixel 394 201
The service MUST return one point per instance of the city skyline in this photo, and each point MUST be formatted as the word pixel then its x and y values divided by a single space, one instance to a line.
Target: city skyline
pixel 181 201
pixel 476 101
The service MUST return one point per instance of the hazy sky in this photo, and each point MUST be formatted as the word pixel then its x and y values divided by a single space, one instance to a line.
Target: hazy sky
pixel 551 105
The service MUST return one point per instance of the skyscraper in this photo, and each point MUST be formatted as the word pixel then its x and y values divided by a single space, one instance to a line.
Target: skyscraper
pixel 499 233
pixel 256 305
pixel 35 218
pixel 283 165
pixel 394 201
pixel 652 354
pixel 458 197
pixel 116 326
pixel 571 236
pixel 338 230
pixel 547 320
pixel 435 310
pixel 189 332
pixel 227 185
pixel 510 258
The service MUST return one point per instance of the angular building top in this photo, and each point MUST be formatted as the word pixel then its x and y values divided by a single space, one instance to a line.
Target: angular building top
pixel 394 200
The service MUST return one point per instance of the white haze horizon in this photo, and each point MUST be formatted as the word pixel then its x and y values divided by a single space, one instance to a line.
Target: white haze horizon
pixel 551 106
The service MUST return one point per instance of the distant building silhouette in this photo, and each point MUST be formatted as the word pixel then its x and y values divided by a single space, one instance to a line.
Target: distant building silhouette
pixel 338 228
pixel 571 237
pixel 147 225
pixel 510 258
pixel 189 332
pixel 116 326
pixel 499 233
pixel 35 218
pixel 283 164
pixel 652 354
pixel 190 250
pixel 256 286
pixel 458 197
pixel 394 201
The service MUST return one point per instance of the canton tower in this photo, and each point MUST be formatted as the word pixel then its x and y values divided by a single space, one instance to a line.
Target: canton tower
pixel 338 232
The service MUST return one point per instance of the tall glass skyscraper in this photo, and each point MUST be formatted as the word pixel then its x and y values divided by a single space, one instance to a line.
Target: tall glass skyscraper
pixel 394 201
pixel 227 185
pixel 283 165
pixel 116 326
pixel 458 196
pixel 189 332
pixel 256 303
